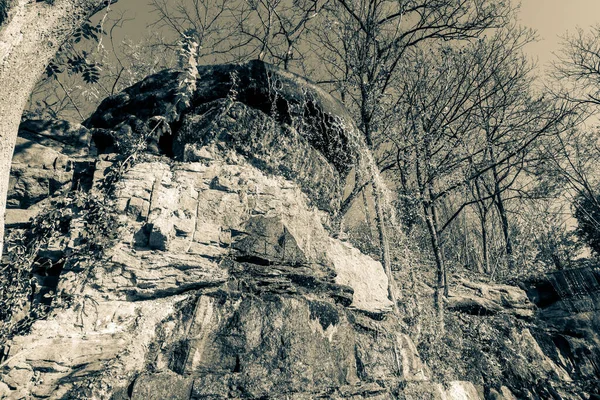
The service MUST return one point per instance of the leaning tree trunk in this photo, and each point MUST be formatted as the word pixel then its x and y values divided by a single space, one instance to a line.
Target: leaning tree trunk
pixel 29 38
pixel 384 242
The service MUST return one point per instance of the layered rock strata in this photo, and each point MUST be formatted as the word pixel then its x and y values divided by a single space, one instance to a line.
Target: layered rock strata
pixel 225 282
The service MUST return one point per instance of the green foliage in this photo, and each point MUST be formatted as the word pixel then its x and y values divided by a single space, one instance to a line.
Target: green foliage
pixel 587 212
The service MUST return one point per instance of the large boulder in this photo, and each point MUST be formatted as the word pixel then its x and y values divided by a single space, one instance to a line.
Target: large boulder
pixel 281 122
pixel 224 280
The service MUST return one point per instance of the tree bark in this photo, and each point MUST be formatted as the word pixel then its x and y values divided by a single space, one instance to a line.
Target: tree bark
pixel 28 41
pixel 499 202
pixel 441 287
pixel 484 245
pixel 384 242
pixel 482 210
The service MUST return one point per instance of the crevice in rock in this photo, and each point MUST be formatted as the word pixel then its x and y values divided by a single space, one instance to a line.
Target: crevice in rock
pixel 237 367
pixel 251 259
pixel 46 273
pixel 130 387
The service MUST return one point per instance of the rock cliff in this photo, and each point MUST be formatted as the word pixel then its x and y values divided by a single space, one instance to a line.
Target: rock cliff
pixel 203 264
pixel 224 280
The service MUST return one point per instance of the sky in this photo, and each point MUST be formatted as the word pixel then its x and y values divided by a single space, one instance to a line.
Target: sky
pixel 550 18
pixel 554 18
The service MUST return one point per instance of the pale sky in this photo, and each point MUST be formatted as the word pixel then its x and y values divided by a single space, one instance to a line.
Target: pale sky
pixel 550 18
pixel 553 18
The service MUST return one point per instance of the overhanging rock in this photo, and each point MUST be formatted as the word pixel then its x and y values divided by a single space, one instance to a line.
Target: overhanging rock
pixel 280 121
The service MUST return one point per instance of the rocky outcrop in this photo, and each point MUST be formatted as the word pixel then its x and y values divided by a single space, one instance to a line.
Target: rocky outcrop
pixel 568 302
pixel 280 122
pixel 225 281
pixel 489 299
pixel 549 350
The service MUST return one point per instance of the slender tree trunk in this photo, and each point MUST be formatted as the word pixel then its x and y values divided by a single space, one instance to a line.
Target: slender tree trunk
pixel 483 211
pixel 484 244
pixel 367 211
pixel 431 221
pixel 440 289
pixel 384 241
pixel 436 231
pixel 499 202
pixel 28 41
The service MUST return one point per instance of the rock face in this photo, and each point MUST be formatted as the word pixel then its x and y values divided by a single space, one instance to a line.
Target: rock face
pixel 277 120
pixel 490 299
pixel 569 306
pixel 549 347
pixel 225 281
pixel 46 156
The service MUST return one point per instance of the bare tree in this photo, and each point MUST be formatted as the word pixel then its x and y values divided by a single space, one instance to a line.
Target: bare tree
pixel 210 23
pixel 577 68
pixel 466 118
pixel 276 30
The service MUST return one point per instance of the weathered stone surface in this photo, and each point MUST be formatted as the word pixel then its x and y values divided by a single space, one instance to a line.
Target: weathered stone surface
pixel 83 344
pixel 460 390
pixel 503 394
pixel 269 305
pixel 279 121
pixel 304 344
pixel 28 186
pixel 248 215
pixel 17 218
pixel 489 299
pixel 541 363
pixel 473 305
pixel 74 138
pixel 43 160
pixel 363 274
pixel 268 239
pixel 148 274
pixel 164 386
pixel 256 85
pixel 273 148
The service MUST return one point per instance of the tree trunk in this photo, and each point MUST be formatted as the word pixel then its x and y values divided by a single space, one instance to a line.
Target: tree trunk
pixel 499 202
pixel 482 210
pixel 426 192
pixel 28 41
pixel 441 287
pixel 484 245
pixel 384 241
